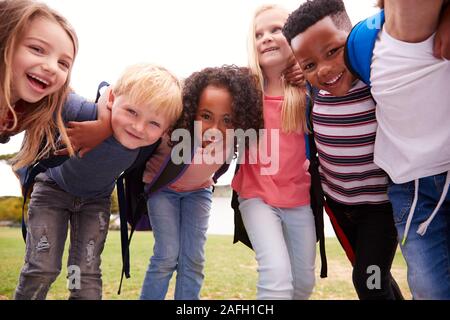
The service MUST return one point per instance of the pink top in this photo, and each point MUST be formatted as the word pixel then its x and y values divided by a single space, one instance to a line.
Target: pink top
pixel 283 181
pixel 197 176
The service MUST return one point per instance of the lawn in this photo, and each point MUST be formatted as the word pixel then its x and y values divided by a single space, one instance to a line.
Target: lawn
pixel 230 271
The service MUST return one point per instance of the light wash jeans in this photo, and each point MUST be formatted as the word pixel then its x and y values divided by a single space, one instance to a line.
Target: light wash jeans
pixel 50 212
pixel 179 221
pixel 427 256
pixel 284 240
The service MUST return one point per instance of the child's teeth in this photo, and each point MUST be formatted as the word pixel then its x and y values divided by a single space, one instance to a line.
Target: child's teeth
pixel 334 80
pixel 39 79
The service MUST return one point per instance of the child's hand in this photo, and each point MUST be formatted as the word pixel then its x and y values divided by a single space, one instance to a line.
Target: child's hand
pixel 293 74
pixel 441 48
pixel 85 136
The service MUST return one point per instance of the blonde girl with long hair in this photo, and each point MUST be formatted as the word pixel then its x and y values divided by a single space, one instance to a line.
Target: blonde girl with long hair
pixel 37 52
pixel 275 204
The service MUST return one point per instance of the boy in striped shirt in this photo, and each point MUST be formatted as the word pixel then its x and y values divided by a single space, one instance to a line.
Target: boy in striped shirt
pixel 344 126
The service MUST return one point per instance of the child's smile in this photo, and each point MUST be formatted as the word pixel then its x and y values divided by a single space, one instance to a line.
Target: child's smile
pixel 319 51
pixel 41 65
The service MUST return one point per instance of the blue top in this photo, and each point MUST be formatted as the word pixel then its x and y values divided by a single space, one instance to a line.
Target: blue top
pixel 360 44
pixel 94 175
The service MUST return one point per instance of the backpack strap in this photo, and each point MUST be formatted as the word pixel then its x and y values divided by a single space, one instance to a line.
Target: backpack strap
pixel 99 88
pixel 127 210
pixel 359 47
pixel 316 192
pixel 27 175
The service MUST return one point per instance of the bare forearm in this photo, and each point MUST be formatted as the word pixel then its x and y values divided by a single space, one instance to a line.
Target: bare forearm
pixel 412 20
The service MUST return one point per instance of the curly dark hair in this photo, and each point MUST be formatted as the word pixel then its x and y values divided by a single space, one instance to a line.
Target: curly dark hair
pixel 247 112
pixel 313 11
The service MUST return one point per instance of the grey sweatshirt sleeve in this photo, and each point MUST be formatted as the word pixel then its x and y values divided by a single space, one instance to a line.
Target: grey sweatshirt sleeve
pixel 77 108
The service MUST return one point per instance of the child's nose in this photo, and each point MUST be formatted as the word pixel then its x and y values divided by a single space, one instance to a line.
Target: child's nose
pixel 139 126
pixel 324 71
pixel 50 66
pixel 267 37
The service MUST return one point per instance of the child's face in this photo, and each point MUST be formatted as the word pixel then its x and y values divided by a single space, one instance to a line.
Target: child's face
pixel 133 125
pixel 320 53
pixel 271 45
pixel 215 113
pixel 42 61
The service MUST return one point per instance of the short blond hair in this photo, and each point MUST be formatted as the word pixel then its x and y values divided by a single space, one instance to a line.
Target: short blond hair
pixel 154 85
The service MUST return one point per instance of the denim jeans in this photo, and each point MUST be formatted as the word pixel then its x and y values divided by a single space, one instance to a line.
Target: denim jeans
pixel 284 240
pixel 50 212
pixel 179 221
pixel 427 256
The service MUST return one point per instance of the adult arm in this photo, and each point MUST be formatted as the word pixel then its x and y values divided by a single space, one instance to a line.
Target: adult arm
pixel 412 20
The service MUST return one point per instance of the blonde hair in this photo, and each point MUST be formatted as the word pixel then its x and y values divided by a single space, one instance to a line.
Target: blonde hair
pixel 293 111
pixel 43 119
pixel 154 85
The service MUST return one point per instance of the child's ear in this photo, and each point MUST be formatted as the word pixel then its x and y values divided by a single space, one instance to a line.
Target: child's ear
pixel 111 98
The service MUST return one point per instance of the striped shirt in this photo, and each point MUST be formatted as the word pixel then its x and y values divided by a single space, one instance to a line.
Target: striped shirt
pixel 344 129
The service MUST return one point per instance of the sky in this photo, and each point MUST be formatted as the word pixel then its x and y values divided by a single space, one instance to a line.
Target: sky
pixel 182 35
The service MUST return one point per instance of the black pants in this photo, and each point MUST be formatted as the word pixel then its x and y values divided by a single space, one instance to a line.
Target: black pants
pixel 368 235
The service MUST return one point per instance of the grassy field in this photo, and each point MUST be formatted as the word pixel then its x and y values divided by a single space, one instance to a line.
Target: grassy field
pixel 230 271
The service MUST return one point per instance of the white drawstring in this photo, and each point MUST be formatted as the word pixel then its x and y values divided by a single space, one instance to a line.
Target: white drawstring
pixel 424 225
pixel 411 211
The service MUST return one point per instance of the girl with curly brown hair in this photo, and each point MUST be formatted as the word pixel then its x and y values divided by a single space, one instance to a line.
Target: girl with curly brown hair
pixel 217 101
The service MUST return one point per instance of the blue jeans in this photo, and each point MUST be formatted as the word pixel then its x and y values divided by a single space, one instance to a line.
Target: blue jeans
pixel 179 221
pixel 427 256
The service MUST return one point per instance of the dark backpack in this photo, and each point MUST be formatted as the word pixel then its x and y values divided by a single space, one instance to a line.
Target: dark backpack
pixel 133 204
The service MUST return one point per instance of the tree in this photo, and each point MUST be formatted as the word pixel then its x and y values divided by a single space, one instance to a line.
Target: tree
pixel 11 208
pixel 6 157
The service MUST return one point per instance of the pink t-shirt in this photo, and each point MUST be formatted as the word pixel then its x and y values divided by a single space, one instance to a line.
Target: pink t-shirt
pixel 197 176
pixel 284 181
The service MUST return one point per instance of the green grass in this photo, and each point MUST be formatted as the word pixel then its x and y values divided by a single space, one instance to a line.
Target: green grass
pixel 230 271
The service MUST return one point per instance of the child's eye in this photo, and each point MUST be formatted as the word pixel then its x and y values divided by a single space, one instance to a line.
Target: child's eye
pixel 227 121
pixel 332 51
pixel 132 112
pixel 276 30
pixel 258 35
pixel 206 116
pixel 64 64
pixel 36 49
pixel 156 124
pixel 308 67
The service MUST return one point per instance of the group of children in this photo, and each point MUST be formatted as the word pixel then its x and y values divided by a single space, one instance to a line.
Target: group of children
pixel 368 123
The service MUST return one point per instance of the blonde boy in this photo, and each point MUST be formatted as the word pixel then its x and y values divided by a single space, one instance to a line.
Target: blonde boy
pixel 144 102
